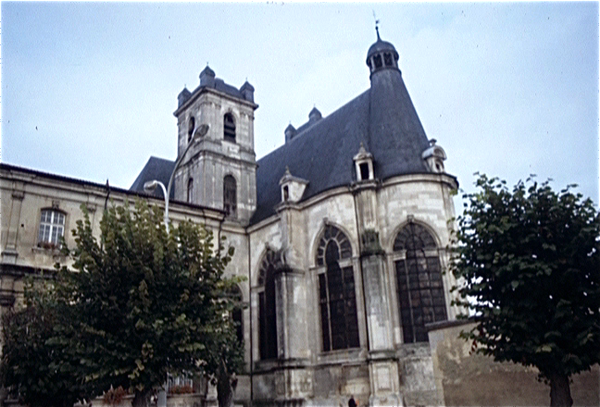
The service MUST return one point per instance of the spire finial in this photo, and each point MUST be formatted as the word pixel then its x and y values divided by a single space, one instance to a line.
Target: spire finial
pixel 376 25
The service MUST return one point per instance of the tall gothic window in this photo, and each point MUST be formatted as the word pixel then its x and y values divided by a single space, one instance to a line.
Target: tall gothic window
pixel 337 293
pixel 419 282
pixel 229 127
pixel 52 227
pixel 190 190
pixel 230 196
pixel 267 313
pixel 236 315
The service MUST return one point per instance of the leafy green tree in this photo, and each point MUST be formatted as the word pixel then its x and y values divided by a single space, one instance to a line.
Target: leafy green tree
pixel 142 302
pixel 528 265
pixel 37 373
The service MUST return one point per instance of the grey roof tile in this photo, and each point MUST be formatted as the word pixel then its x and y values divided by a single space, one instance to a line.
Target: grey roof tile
pixel 155 169
pixel 383 118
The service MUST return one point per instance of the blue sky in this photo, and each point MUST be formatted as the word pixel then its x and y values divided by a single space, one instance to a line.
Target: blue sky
pixel 507 89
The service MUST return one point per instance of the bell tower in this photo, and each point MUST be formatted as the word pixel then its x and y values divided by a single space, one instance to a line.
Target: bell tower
pixel 219 169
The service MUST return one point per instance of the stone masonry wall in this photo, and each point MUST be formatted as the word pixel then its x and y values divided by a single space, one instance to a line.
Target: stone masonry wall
pixel 465 379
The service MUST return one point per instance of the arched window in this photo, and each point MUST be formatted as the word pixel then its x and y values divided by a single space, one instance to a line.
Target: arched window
pixel 52 227
pixel 387 58
pixel 236 315
pixel 377 60
pixel 230 196
pixel 267 312
pixel 191 127
pixel 337 293
pixel 190 190
pixel 419 282
pixel 229 127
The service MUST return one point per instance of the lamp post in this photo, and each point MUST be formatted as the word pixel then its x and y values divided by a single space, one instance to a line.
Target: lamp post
pixel 150 186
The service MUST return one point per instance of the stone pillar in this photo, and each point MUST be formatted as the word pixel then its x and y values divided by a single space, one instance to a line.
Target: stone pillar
pixel 291 315
pixel 377 305
pixel 292 382
pixel 383 366
pixel 9 252
pixel 291 301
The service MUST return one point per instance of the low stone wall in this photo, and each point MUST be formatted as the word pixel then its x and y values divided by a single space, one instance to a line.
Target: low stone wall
pixel 465 379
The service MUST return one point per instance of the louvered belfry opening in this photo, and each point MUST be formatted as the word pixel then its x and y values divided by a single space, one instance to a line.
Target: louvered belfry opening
pixel 229 128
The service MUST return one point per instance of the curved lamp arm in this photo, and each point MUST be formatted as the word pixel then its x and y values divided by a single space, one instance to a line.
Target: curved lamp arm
pixel 151 185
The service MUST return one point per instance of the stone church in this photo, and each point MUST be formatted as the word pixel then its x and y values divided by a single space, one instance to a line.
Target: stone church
pixel 341 232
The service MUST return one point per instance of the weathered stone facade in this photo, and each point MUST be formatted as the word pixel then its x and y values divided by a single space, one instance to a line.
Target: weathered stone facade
pixel 341 233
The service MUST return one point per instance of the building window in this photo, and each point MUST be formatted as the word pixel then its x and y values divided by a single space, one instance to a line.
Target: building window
pixel 230 196
pixel 419 282
pixel 229 127
pixel 286 193
pixel 387 58
pixel 267 312
pixel 52 227
pixel 191 127
pixel 377 60
pixel 190 190
pixel 364 171
pixel 337 292
pixel 236 315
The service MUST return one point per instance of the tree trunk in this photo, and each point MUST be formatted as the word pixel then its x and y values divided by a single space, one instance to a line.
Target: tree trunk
pixel 225 386
pixel 3 395
pixel 560 391
pixel 141 398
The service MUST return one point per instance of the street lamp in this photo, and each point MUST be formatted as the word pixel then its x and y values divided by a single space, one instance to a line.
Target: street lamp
pixel 150 186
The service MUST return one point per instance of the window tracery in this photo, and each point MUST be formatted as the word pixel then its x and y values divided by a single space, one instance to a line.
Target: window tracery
pixel 420 288
pixel 267 312
pixel 337 292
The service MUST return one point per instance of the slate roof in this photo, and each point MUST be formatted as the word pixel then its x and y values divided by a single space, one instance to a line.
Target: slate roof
pixel 155 169
pixel 381 46
pixel 383 118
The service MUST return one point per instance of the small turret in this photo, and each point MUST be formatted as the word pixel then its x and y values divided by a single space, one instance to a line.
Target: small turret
pixel 314 115
pixel 207 77
pixel 290 133
pixel 382 55
pixel 183 97
pixel 247 91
